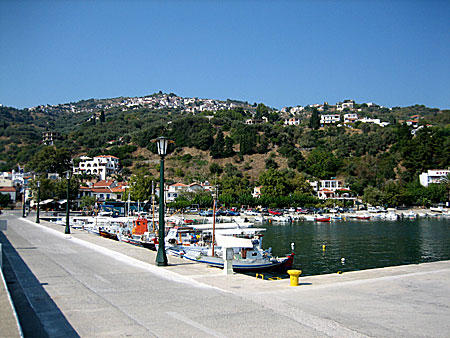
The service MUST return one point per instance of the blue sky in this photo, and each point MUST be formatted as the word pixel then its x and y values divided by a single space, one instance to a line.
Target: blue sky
pixel 282 53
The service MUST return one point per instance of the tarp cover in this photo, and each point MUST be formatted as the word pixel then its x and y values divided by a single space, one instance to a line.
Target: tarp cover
pixel 45 202
pixel 233 242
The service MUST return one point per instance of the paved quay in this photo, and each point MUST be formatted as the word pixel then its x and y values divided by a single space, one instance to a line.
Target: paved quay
pixel 82 285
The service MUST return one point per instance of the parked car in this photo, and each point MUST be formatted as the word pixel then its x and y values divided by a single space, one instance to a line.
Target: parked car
pixel 207 213
pixel 251 213
pixel 221 213
pixel 232 213
pixel 275 212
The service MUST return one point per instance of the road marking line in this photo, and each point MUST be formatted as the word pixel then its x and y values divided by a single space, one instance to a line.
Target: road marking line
pixel 195 324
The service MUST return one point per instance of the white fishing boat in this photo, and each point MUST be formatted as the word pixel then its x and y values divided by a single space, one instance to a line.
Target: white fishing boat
pixel 391 216
pixel 248 255
pixel 409 214
pixel 282 219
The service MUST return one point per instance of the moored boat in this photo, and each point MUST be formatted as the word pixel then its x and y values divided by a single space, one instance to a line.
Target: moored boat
pixel 322 218
pixel 248 256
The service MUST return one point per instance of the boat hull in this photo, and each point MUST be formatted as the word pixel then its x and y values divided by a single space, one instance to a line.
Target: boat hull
pixel 243 266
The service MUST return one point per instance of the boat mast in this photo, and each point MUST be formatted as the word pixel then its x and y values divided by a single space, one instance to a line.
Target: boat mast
pixel 214 220
pixel 129 201
pixel 153 205
pixel 214 226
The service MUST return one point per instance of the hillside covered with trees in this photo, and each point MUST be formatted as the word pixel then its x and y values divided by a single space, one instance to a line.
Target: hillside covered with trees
pixel 241 147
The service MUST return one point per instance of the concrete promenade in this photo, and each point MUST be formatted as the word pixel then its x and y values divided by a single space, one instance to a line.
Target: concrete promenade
pixel 82 285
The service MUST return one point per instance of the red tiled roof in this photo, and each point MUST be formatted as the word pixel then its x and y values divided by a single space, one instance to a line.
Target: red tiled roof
pixel 118 189
pixel 101 190
pixel 7 189
pixel 103 183
pixel 179 185
pixel 107 156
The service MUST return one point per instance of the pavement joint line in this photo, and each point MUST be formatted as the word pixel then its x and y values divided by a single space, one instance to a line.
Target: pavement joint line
pixel 329 327
pixel 195 324
pixel 164 273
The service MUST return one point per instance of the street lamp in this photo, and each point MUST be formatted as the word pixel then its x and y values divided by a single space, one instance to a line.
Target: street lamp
pixel 161 258
pixel 24 200
pixel 68 174
pixel 38 201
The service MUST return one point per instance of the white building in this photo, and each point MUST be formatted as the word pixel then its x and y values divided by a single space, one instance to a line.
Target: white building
pixel 293 121
pixel 433 176
pixel 350 118
pixel 331 189
pixel 101 166
pixel 340 106
pixel 296 110
pixel 327 119
pixel 374 121
pixel 174 190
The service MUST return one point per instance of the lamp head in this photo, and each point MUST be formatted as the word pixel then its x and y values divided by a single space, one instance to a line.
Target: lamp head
pixel 68 174
pixel 38 184
pixel 162 143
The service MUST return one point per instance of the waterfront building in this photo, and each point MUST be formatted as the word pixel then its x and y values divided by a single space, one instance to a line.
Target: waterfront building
pixel 101 166
pixel 332 189
pixel 104 190
pixel 174 190
pixel 11 191
pixel 433 176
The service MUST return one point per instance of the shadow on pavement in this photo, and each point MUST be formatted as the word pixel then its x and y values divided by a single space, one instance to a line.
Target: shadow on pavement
pixel 41 318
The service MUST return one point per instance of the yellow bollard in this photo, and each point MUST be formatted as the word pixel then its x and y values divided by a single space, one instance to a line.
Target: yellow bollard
pixel 294 276
pixel 324 247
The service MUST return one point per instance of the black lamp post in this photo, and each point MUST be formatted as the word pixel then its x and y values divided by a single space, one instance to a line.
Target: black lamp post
pixel 24 200
pixel 67 230
pixel 161 258
pixel 38 201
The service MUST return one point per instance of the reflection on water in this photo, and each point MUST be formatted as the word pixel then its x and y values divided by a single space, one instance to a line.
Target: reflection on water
pixel 362 244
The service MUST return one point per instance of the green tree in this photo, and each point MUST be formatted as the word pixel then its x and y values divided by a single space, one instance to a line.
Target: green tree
pixel 5 200
pixel 229 151
pixel 140 188
pixel 373 196
pixel 322 164
pixel 60 188
pixel 215 168
pixel 261 111
pixel 274 183
pixel 87 202
pixel 51 160
pixel 314 121
pixel 218 148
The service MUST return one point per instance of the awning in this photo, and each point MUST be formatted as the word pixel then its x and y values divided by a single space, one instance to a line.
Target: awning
pixel 242 231
pixel 46 202
pixel 62 201
pixel 233 242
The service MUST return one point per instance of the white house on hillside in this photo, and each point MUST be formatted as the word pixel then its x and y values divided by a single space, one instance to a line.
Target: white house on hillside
pixel 327 119
pixel 331 189
pixel 101 166
pixel 350 118
pixel 433 176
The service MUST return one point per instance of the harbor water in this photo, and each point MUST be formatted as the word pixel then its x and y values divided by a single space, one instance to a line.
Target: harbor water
pixel 341 246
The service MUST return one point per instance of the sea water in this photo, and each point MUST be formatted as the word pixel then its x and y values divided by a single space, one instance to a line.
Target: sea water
pixel 330 247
